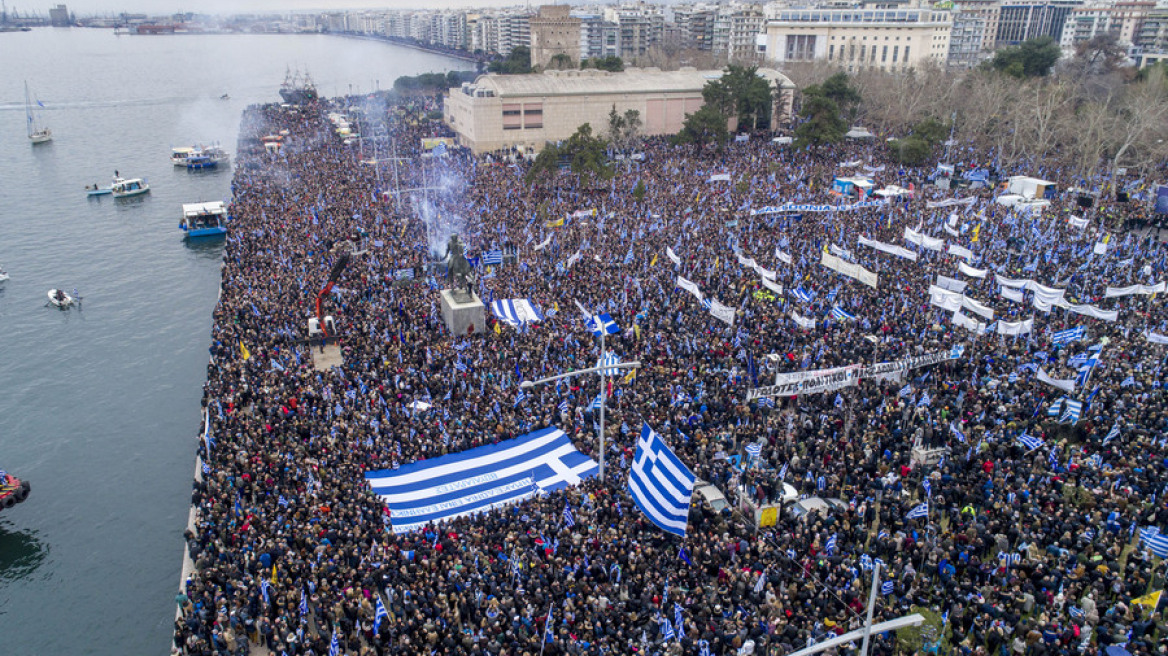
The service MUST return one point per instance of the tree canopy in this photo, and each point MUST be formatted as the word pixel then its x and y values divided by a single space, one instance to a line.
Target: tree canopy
pixel 516 63
pixel 583 153
pixel 1032 58
pixel 432 82
pixel 703 127
pixel 822 122
pixel 740 93
pixel 561 62
pixel 623 129
pixel 611 63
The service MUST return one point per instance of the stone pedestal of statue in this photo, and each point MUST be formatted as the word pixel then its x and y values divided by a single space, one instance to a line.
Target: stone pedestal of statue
pixel 464 312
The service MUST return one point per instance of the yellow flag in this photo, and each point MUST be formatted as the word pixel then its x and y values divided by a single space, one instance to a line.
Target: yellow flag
pixel 824 247
pixel 976 233
pixel 557 304
pixel 1151 600
pixel 555 224
pixel 243 352
pixel 637 329
pixel 498 330
pixel 273 575
pixel 631 376
pixel 654 262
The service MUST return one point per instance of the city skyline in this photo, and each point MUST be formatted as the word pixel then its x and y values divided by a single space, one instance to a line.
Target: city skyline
pixel 229 7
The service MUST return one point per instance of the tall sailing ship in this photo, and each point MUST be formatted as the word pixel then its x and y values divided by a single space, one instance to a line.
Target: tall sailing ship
pixel 297 90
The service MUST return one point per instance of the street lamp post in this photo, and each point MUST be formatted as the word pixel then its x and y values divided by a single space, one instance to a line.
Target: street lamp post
pixel 601 368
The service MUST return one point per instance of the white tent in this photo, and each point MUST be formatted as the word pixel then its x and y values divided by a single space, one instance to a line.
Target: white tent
pixel 858 132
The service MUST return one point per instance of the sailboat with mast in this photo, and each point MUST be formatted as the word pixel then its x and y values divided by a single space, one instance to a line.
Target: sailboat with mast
pixel 37 133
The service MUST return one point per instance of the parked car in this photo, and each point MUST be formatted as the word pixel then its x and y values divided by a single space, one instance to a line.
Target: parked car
pixel 817 505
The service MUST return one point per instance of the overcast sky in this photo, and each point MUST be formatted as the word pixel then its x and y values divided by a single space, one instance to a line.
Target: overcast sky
pixel 86 7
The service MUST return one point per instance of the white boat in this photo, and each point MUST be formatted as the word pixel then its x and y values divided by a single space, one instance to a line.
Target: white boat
pixel 3 275
pixel 59 298
pixel 123 187
pixel 37 133
pixel 179 156
pixel 183 155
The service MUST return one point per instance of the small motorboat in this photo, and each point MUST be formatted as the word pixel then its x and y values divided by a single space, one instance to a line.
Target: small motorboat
pixel 204 219
pixel 12 490
pixel 59 298
pixel 3 275
pixel 125 187
pixel 201 160
pixel 225 97
pixel 97 191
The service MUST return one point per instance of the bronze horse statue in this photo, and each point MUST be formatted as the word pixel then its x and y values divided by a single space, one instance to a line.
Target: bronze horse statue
pixel 459 269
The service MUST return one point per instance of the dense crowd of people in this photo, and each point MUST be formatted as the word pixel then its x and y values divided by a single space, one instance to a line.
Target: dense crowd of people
pixel 1028 546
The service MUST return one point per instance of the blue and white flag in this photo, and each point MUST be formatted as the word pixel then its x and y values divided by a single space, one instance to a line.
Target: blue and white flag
pixel 602 323
pixel 1086 369
pixel 1154 540
pixel 666 629
pixel 1055 408
pixel 1030 441
pixel 660 483
pixel 1111 434
pixel 596 403
pixel 303 603
pixel 335 645
pixel 887 588
pixel 839 314
pixel 608 360
pixel 381 614
pixel 677 617
pixel 516 311
pixel 830 547
pixel 928 485
pixel 480 479
pixel 1068 336
pixel 766 402
pixel 569 519
pixel 1074 409
pixel 754 450
pixel 956 431
pixel 493 258
pixel 801 294
pixel 921 510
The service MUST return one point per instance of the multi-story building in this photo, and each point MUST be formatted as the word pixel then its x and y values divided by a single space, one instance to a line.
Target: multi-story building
pixel 966 40
pixel 503 111
pixel 59 16
pixel 554 32
pixel 989 11
pixel 1153 32
pixel 1022 21
pixel 598 37
pixel 862 37
pixel 746 24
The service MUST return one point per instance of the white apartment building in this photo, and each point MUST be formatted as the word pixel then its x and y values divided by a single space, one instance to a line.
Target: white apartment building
pixel 856 38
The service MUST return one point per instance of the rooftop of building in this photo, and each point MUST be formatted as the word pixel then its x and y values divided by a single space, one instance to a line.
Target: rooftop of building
pixel 591 81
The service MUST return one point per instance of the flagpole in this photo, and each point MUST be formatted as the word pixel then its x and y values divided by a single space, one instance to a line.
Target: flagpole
pixel 871 607
pixel 543 638
pixel 603 396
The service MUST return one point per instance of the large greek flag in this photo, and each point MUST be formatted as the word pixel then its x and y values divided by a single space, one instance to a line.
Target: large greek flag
pixel 516 311
pixel 480 479
pixel 660 483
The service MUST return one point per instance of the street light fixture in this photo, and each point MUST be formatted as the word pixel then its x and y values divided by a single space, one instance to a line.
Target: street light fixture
pixel 528 384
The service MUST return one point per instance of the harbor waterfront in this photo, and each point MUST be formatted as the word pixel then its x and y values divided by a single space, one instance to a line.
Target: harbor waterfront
pixel 101 404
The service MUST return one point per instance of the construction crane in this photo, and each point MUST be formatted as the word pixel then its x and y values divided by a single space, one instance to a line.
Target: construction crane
pixel 321 324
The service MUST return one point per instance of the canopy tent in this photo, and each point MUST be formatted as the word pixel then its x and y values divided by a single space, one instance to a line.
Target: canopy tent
pixel 851 185
pixel 858 132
